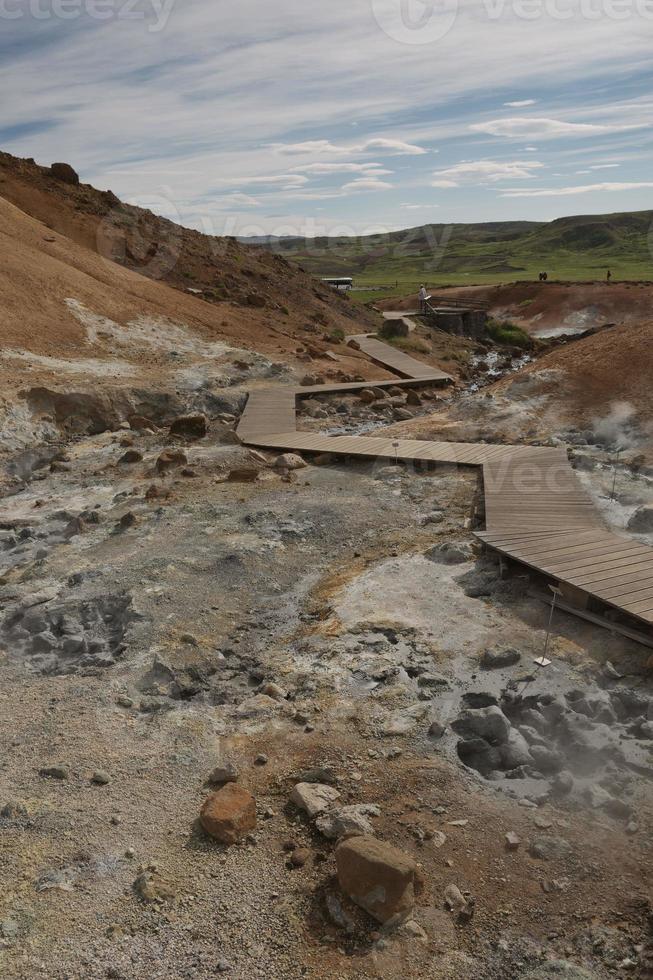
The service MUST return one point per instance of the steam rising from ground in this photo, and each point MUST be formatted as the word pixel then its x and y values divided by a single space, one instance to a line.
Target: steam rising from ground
pixel 619 427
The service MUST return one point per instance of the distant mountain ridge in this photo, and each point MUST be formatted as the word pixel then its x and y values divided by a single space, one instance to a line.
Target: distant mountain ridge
pixel 575 246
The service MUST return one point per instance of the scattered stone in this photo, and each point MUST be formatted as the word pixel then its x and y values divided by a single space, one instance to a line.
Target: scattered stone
pixel 229 814
pixel 225 773
pixel 549 848
pixel 261 760
pixel 289 461
pixel 513 841
pixel 454 898
pixel 171 459
pixel 243 474
pixel 124 701
pixel 436 730
pixel 299 857
pixel 126 521
pixel 131 456
pixel 450 554
pixel 337 914
pixel 151 888
pixel 493 659
pixel 189 426
pixel 13 811
pixel 347 820
pixel 314 798
pixel 377 876
pixel 54 772
pixel 100 778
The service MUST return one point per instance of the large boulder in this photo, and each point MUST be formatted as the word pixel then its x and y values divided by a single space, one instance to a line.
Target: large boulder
pixel 642 520
pixel 229 814
pixel 377 876
pixel 65 173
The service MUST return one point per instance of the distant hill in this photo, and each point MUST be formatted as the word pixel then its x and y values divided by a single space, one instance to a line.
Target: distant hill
pixel 577 247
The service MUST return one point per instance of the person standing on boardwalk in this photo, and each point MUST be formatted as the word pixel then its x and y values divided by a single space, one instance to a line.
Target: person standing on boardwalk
pixel 608 276
pixel 422 296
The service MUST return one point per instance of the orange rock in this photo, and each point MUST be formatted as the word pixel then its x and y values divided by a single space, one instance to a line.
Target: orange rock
pixel 229 814
pixel 378 877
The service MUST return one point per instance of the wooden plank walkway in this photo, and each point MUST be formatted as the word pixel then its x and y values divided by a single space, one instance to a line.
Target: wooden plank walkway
pixel 536 510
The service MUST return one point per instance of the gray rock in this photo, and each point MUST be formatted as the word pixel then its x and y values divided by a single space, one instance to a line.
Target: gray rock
pixel 450 554
pixel 549 848
pixel 515 752
pixel 489 724
pixel 642 520
pixel 54 772
pixel 493 659
pixel 314 798
pixel 101 778
pixel 546 760
pixel 347 820
pixel 225 773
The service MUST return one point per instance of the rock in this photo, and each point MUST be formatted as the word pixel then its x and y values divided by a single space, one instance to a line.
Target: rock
pixel 255 299
pixel 13 811
pixel 454 898
pixel 299 857
pixel 489 724
pixel 546 761
pixel 512 841
pixel 126 521
pixel 229 814
pixel 274 691
pixel 189 426
pixel 436 730
pixel 140 423
pixel 377 876
pixel 54 772
pixel 402 414
pixel 314 798
pixel 289 461
pixel 225 773
pixel 243 474
pixel 493 659
pixel 549 848
pixel 435 517
pixel 151 888
pixel 170 459
pixel 131 456
pixel 65 173
pixel 412 398
pixel 450 554
pixel 347 820
pixel 100 778
pixel 642 520
pixel 367 396
pixel 337 914
pixel 596 796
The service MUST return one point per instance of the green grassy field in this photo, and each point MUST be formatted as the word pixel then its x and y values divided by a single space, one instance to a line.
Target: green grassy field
pixel 573 249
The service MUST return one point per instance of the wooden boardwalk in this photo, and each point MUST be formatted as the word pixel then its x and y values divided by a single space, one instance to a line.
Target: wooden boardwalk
pixel 536 510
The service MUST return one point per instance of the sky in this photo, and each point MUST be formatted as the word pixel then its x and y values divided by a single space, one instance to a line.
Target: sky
pixel 298 117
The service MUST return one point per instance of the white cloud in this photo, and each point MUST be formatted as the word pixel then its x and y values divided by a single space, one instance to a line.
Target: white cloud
pixel 242 199
pixel 391 146
pixel 580 189
pixel 364 184
pixel 394 146
pixel 538 128
pixel 605 166
pixel 520 105
pixel 322 169
pixel 286 181
pixel 485 170
pixel 418 207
